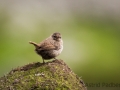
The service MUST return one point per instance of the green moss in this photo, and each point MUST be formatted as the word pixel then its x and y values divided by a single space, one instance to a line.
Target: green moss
pixel 55 75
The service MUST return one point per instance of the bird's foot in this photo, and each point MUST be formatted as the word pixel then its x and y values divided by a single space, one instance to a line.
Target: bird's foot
pixel 55 59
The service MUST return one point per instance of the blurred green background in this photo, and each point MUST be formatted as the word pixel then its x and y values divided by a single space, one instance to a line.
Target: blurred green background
pixel 90 30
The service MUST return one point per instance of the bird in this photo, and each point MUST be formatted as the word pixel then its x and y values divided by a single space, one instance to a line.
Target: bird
pixel 49 48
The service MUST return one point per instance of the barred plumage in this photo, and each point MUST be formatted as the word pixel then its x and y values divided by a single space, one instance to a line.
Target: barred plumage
pixel 49 48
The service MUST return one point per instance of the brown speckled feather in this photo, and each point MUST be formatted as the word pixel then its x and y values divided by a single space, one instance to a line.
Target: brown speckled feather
pixel 49 48
pixel 47 44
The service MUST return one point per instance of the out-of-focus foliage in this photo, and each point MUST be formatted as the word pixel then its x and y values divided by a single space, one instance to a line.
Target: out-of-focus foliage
pixel 90 30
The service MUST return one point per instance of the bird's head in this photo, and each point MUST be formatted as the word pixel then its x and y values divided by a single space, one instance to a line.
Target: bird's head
pixel 56 36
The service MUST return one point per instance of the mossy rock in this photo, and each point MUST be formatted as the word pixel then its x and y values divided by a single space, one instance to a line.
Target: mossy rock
pixel 55 75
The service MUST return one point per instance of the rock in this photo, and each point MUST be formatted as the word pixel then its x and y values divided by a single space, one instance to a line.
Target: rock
pixel 55 75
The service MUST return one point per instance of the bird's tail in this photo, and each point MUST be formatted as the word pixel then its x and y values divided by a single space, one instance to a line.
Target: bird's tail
pixel 35 44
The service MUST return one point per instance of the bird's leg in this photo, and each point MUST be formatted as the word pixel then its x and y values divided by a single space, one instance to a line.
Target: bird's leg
pixel 43 60
pixel 55 58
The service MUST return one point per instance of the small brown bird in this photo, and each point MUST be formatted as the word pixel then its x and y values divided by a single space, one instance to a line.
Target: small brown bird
pixel 50 47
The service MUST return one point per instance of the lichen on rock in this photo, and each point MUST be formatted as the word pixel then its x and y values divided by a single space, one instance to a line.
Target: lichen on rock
pixel 55 75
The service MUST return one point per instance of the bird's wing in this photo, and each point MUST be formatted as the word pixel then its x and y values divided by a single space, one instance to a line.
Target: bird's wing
pixel 47 45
